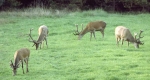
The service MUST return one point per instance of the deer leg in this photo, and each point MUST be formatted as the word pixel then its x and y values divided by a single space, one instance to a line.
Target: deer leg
pixel 122 41
pixel 94 34
pixel 46 42
pixel 40 44
pixel 43 43
pixel 117 41
pixel 27 64
pixel 22 67
pixel 91 36
pixel 26 61
pixel 102 31
pixel 128 43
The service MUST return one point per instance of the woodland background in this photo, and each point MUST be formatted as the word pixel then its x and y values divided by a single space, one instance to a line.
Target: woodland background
pixel 107 5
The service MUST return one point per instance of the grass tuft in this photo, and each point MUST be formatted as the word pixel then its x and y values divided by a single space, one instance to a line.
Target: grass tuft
pixel 97 12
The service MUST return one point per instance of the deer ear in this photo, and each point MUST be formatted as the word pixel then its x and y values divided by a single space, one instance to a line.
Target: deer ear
pixel 135 33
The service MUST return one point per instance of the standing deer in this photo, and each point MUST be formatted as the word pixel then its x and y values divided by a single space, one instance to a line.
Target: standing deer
pixel 43 32
pixel 20 56
pixel 122 33
pixel 92 27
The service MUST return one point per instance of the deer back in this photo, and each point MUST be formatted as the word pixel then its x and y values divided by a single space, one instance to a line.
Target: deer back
pixel 124 33
pixel 97 25
pixel 21 54
pixel 43 32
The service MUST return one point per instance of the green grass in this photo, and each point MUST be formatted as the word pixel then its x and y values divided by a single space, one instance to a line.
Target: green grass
pixel 68 58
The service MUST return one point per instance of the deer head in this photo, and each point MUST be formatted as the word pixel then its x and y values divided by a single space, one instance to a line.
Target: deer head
pixel 14 67
pixel 137 40
pixel 34 41
pixel 77 31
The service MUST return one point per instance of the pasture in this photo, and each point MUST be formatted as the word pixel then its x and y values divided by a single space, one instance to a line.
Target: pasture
pixel 67 58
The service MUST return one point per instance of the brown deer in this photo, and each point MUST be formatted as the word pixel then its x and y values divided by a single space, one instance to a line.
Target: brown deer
pixel 91 27
pixel 20 56
pixel 43 32
pixel 122 33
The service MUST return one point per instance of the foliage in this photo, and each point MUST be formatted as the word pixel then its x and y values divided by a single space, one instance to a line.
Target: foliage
pixel 9 4
pixel 1 2
pixel 108 5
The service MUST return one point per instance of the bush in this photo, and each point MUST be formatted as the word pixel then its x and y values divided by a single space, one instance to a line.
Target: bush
pixel 6 4
pixel 1 2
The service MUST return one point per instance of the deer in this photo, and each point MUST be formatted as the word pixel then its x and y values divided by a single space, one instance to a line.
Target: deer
pixel 20 56
pixel 91 27
pixel 43 33
pixel 122 33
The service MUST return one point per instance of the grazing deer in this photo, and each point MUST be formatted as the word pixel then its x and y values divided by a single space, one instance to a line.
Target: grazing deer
pixel 43 32
pixel 20 56
pixel 92 27
pixel 122 33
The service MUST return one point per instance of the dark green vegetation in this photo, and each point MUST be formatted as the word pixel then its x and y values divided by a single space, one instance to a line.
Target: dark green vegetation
pixel 68 58
pixel 108 5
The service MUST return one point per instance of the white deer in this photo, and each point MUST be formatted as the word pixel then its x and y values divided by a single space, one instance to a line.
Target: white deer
pixel 122 33
pixel 20 56
pixel 92 27
pixel 43 32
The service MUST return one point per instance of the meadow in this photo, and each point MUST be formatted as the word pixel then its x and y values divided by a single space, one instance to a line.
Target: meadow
pixel 68 58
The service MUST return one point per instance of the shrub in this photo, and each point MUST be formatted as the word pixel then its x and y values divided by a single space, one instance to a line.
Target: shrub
pixel 4 4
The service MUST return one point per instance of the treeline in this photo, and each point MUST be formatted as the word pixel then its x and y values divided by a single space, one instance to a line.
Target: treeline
pixel 108 5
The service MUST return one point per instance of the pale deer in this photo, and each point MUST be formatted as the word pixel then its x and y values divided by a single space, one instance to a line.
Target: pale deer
pixel 92 27
pixel 20 56
pixel 43 32
pixel 122 33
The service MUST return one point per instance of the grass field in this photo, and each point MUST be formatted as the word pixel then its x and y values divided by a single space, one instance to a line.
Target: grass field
pixel 67 58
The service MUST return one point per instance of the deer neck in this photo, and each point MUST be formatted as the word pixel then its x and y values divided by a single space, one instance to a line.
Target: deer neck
pixel 16 60
pixel 40 38
pixel 82 33
pixel 132 40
